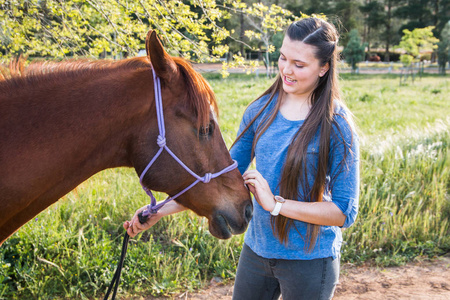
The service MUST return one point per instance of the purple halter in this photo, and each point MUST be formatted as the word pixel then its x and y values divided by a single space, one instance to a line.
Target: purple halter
pixel 153 207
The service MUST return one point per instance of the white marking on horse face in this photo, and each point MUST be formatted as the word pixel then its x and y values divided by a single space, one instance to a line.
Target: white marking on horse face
pixel 211 108
pixel 217 122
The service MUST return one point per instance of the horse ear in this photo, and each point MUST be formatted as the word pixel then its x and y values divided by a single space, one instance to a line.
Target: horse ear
pixel 163 64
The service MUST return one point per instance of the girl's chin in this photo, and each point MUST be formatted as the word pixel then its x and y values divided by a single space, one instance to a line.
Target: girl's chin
pixel 288 88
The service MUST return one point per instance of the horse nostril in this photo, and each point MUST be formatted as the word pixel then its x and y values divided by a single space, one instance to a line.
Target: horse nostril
pixel 248 212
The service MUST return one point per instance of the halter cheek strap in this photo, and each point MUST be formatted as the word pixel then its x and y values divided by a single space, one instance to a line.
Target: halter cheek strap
pixel 152 208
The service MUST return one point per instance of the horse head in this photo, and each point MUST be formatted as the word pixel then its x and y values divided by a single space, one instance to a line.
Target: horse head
pixel 192 133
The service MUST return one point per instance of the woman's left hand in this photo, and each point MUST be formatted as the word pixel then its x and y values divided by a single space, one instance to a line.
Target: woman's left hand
pixel 259 187
pixel 134 226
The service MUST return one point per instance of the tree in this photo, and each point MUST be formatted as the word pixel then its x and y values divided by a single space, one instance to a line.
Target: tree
pixel 344 14
pixel 266 22
pixel 374 17
pixel 77 27
pixel 444 48
pixel 388 32
pixel 354 51
pixel 349 14
pixel 415 42
pixel 440 15
pixel 423 13
pixel 193 29
pixel 416 13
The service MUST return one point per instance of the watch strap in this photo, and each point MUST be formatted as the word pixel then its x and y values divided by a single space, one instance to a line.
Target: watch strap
pixel 276 209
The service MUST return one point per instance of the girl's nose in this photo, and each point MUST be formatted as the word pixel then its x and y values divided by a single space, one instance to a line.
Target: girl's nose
pixel 287 70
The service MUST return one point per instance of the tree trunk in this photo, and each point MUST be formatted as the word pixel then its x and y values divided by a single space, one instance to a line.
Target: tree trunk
pixel 388 30
pixel 436 12
pixel 242 32
pixel 267 63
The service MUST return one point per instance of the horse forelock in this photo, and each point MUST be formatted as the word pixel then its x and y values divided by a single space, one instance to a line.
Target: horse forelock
pixel 200 93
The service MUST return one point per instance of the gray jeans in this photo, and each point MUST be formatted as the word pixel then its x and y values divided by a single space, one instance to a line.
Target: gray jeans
pixel 260 278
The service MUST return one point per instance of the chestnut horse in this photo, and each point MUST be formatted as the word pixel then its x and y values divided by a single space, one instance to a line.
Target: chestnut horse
pixel 61 123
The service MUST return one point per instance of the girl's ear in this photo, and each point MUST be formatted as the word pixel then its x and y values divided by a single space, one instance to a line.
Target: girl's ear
pixel 324 69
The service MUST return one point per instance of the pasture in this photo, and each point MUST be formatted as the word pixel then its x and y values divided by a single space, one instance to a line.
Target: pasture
pixel 71 249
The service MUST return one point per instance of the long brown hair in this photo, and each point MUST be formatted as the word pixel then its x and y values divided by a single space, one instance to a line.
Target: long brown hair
pixel 324 37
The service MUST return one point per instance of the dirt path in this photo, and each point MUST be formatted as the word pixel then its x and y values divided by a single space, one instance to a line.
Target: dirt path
pixel 423 280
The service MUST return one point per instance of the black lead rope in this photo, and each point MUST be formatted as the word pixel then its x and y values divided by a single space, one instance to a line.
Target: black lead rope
pixel 116 278
pixel 115 281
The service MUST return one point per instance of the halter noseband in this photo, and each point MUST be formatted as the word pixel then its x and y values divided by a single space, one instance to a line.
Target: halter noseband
pixel 152 208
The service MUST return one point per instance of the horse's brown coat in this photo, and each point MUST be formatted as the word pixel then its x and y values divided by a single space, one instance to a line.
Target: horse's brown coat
pixel 60 123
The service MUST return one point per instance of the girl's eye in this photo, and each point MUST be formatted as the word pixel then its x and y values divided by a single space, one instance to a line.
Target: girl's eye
pixel 299 66
pixel 282 58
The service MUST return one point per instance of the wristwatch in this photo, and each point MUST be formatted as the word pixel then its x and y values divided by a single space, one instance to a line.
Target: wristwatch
pixel 278 203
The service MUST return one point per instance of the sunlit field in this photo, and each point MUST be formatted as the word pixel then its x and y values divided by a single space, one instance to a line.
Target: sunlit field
pixel 71 249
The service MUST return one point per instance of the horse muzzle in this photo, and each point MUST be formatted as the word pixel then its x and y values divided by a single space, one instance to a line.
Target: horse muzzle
pixel 224 224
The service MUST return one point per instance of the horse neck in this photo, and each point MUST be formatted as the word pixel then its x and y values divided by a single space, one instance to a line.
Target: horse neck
pixel 73 129
pixel 57 134
pixel 113 110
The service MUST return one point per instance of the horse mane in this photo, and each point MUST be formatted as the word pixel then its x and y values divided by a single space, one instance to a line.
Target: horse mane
pixel 200 94
pixel 15 68
pixel 51 73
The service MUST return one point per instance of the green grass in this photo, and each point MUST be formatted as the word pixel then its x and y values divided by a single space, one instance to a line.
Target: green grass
pixel 71 249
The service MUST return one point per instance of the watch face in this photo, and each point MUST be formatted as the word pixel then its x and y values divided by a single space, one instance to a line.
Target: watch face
pixel 279 199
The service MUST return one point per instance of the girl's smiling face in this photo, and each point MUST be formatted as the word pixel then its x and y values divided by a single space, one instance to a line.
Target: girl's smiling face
pixel 299 68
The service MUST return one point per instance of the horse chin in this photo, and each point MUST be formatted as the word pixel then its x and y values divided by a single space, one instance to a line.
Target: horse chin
pixel 223 227
pixel 219 227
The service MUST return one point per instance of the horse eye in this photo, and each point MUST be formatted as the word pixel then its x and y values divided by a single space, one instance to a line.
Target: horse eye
pixel 206 131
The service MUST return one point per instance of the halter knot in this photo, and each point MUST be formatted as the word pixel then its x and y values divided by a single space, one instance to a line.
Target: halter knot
pixel 161 141
pixel 207 178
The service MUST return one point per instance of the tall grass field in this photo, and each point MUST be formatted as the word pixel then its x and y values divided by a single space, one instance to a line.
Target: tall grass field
pixel 70 251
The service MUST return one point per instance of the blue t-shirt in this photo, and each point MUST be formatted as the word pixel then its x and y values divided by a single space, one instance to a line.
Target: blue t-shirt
pixel 270 156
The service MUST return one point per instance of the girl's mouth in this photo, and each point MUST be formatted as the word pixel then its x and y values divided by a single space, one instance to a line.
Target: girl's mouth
pixel 289 81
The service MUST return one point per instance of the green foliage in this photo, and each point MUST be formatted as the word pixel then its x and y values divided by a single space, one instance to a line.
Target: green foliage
pixel 71 249
pixel 59 28
pixel 413 42
pixel 375 13
pixel 265 22
pixel 354 50
pixel 191 29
